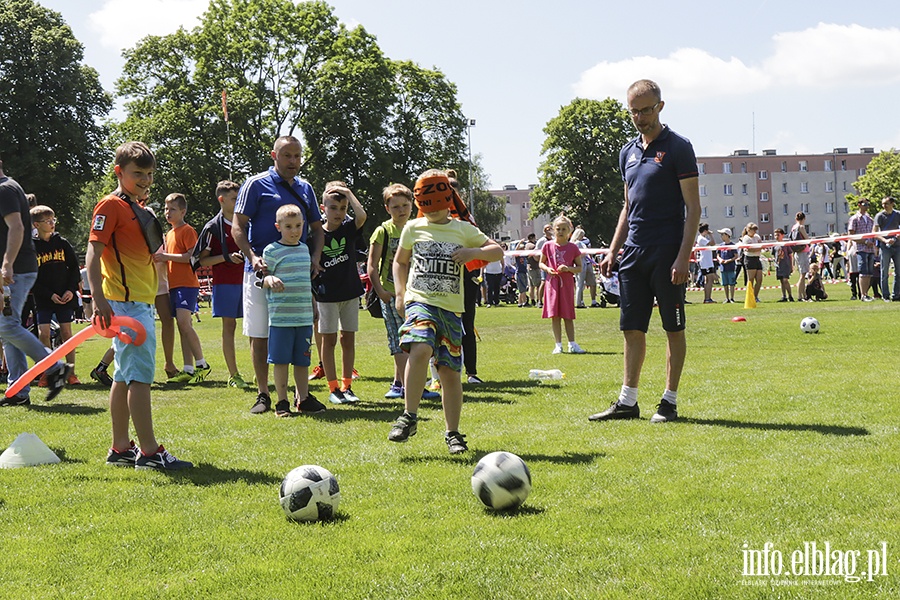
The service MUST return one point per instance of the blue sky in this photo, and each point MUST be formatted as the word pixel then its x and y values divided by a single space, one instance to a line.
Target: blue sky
pixel 797 76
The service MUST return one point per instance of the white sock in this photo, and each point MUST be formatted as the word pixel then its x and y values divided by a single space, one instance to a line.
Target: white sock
pixel 628 396
pixel 201 364
pixel 189 369
pixel 559 345
pixel 670 397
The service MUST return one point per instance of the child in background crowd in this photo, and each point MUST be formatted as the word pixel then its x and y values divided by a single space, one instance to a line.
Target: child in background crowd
pixel 216 248
pixel 561 261
pixel 56 287
pixel 184 288
pixel 337 288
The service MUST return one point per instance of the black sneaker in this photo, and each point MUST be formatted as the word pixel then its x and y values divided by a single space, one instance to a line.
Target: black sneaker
pixel 125 458
pixel 310 406
pixel 101 377
pixel 456 442
pixel 283 409
pixel 15 401
pixel 665 411
pixel 263 404
pixel 403 428
pixel 161 461
pixel 617 411
pixel 56 380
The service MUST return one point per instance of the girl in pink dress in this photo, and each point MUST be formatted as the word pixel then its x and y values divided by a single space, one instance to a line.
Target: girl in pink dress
pixel 561 260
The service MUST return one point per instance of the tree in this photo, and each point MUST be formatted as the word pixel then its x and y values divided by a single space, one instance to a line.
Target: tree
pixel 881 179
pixel 489 211
pixel 50 107
pixel 580 174
pixel 288 69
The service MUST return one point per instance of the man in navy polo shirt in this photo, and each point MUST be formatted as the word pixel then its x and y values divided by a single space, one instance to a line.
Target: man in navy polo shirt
pixel 253 229
pixel 655 231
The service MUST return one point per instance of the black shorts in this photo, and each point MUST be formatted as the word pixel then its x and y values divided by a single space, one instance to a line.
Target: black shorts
pixel 645 274
pixel 753 263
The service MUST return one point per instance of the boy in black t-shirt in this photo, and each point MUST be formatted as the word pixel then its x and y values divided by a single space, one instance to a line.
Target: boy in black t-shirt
pixel 337 288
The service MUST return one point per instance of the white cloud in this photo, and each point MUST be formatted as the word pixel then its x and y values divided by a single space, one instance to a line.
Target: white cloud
pixel 824 56
pixel 121 23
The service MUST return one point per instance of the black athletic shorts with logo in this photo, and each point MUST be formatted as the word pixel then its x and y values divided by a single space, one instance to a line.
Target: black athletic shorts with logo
pixel 645 274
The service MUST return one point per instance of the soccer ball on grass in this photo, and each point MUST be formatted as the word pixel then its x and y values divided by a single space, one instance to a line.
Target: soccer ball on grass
pixel 309 493
pixel 809 325
pixel 501 480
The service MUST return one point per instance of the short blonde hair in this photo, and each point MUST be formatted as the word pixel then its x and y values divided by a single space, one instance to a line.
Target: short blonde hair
pixel 288 211
pixel 41 212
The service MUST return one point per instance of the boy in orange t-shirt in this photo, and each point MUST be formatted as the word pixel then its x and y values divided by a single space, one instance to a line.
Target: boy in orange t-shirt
pixel 123 282
pixel 184 288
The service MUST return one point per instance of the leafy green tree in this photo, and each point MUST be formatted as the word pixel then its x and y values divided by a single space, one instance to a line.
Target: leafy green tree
pixel 289 69
pixel 489 211
pixel 50 107
pixel 580 172
pixel 881 179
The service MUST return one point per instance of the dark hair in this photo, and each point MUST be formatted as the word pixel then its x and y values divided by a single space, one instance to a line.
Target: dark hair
pixel 800 216
pixel 135 152
pixel 703 227
pixel 225 186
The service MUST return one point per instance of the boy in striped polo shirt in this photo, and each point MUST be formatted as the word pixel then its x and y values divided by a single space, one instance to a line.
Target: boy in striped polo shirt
pixel 291 311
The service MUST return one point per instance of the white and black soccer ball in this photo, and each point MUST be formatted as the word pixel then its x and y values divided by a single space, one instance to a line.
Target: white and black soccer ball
pixel 809 325
pixel 309 493
pixel 501 480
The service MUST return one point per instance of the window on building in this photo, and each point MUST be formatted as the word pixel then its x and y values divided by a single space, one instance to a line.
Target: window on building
pixel 764 196
pixel 829 186
pixel 804 167
pixel 846 208
pixel 729 211
pixel 729 189
pixel 845 186
pixel 829 165
pixel 804 187
pixel 743 167
pixel 764 217
pixel 726 168
pixel 746 211
pixel 702 190
pixel 785 209
pixel 805 207
pixel 831 228
pixel 843 165
pixel 784 166
pixel 744 189
pixel 862 171
pixel 703 213
pixel 829 208
pixel 701 168
pixel 784 188
pixel 763 174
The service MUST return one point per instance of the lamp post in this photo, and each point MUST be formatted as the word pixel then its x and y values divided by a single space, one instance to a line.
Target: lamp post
pixel 470 123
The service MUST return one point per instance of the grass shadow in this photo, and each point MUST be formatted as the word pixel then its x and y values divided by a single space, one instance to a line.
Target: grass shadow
pixel 63 457
pixel 66 409
pixel 502 386
pixel 522 511
pixel 840 430
pixel 566 458
pixel 336 519
pixel 362 410
pixel 205 474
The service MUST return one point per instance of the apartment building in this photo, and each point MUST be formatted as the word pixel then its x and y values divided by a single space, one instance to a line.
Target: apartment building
pixel 769 189
pixel 518 224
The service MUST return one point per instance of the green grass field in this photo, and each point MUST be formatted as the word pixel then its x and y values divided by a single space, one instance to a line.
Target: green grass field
pixel 784 438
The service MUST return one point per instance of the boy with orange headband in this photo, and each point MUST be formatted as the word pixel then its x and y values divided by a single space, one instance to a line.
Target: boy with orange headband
pixel 428 278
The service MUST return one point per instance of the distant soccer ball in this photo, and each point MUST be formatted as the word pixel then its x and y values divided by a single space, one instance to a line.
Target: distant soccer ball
pixel 501 480
pixel 309 493
pixel 809 325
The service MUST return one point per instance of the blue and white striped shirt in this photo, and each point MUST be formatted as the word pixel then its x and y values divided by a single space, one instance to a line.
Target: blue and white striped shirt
pixel 292 307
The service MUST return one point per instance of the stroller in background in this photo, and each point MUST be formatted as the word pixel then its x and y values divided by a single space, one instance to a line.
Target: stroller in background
pixel 508 291
pixel 609 290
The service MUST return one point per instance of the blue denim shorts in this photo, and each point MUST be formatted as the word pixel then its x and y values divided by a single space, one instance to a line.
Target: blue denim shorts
pixel 135 363
pixel 290 345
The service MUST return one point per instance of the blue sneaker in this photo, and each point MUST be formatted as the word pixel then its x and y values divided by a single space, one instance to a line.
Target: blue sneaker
pixel 395 391
pixel 161 461
pixel 125 458
pixel 337 397
pixel 349 396
pixel 430 395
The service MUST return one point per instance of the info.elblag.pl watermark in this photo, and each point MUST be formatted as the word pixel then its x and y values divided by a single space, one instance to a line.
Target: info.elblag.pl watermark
pixel 815 563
